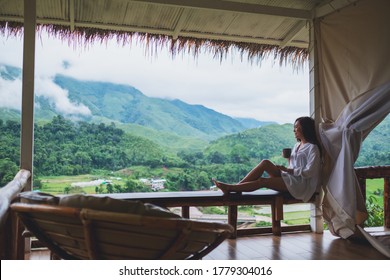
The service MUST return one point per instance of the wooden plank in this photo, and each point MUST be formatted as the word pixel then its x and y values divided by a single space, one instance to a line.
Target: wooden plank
pixel 267 230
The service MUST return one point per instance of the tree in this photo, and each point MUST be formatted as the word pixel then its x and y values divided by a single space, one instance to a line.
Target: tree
pixel 136 186
pixel 216 157
pixel 8 170
pixel 203 181
pixel 239 154
pixel 110 188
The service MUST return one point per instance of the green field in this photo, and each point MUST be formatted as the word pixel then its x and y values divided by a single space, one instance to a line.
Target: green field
pixel 375 188
pixel 57 184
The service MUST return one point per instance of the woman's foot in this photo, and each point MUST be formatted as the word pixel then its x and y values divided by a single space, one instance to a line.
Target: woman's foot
pixel 221 186
pixel 240 187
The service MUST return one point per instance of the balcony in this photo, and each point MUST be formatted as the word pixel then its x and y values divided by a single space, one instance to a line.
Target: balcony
pixel 298 245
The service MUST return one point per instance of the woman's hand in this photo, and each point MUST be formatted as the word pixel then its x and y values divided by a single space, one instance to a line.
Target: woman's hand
pixel 282 168
pixel 285 169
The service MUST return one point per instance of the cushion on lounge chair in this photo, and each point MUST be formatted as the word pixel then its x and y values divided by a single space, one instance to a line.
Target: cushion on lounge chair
pixel 32 197
pixel 97 203
pixel 115 205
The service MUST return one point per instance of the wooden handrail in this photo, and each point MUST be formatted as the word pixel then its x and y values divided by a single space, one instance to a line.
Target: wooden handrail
pixel 9 233
pixel 8 227
pixel 374 172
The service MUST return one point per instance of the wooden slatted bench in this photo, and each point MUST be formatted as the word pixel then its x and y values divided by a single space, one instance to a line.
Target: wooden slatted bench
pixel 216 198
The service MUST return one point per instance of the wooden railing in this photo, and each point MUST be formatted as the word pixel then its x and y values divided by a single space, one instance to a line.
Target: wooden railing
pixel 375 172
pixel 9 235
pixel 11 238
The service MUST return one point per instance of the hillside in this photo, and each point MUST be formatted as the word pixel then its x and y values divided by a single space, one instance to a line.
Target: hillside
pixel 375 149
pixel 255 144
pixel 124 105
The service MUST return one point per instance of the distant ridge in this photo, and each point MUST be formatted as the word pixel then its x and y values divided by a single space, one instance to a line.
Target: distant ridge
pixel 252 123
pixel 124 104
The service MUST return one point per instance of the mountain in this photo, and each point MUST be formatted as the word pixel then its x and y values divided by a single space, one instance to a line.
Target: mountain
pixel 258 143
pixel 126 105
pixel 252 123
pixel 10 73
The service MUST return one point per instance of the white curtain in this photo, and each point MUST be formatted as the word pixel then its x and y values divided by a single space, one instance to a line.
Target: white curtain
pixel 343 205
pixel 354 90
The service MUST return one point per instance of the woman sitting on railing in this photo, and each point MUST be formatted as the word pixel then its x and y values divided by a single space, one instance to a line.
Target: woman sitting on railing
pixel 300 178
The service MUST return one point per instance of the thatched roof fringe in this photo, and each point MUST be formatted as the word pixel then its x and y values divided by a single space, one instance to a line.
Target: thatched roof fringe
pixel 153 43
pixel 11 29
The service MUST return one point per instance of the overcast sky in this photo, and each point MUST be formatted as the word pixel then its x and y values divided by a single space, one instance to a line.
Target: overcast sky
pixel 266 92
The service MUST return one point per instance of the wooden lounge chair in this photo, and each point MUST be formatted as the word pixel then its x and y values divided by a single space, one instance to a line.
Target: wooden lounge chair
pixel 84 233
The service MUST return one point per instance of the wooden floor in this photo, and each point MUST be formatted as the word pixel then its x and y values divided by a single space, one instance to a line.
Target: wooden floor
pixel 289 246
pixel 295 246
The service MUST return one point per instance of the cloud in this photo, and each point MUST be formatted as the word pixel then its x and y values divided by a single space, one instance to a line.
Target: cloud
pixel 59 97
pixel 11 94
pixel 233 87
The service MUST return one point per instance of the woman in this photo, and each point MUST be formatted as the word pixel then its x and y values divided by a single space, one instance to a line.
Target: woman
pixel 301 178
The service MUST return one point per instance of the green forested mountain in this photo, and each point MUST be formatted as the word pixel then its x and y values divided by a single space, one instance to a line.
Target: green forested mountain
pixel 375 149
pixel 127 105
pixel 265 142
pixel 63 147
pixel 169 122
pixel 252 123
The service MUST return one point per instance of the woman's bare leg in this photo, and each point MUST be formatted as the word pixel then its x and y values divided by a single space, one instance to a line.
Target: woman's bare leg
pixel 274 183
pixel 257 172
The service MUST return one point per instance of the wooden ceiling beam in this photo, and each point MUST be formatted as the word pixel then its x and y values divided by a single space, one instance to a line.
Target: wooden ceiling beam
pixel 180 23
pixel 71 14
pixel 331 7
pixel 292 33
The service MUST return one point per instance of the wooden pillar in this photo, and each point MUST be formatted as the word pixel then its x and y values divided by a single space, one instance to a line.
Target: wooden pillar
pixel 27 121
pixel 232 219
pixel 185 212
pixel 363 187
pixel 386 197
pixel 316 218
pixel 277 215
pixel 314 81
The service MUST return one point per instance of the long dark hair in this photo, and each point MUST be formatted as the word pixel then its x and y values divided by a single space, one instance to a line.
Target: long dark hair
pixel 309 130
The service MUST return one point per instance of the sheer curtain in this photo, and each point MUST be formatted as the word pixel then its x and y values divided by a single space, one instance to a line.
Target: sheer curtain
pixel 354 92
pixel 343 205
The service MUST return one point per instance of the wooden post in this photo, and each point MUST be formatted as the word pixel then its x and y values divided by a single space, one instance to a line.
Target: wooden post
pixel 316 217
pixel 363 186
pixel 232 219
pixel 277 215
pixel 27 118
pixel 386 197
pixel 185 212
pixel 27 122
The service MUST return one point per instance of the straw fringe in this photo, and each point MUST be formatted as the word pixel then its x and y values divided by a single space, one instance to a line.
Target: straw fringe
pixel 153 43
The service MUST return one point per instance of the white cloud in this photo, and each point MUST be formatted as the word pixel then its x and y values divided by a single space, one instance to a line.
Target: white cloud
pixel 11 94
pixel 59 97
pixel 266 92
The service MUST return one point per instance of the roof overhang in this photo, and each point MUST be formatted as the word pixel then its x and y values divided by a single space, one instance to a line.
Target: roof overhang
pixel 257 29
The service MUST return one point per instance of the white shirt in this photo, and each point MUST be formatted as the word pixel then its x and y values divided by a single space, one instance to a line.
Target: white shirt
pixel 306 163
